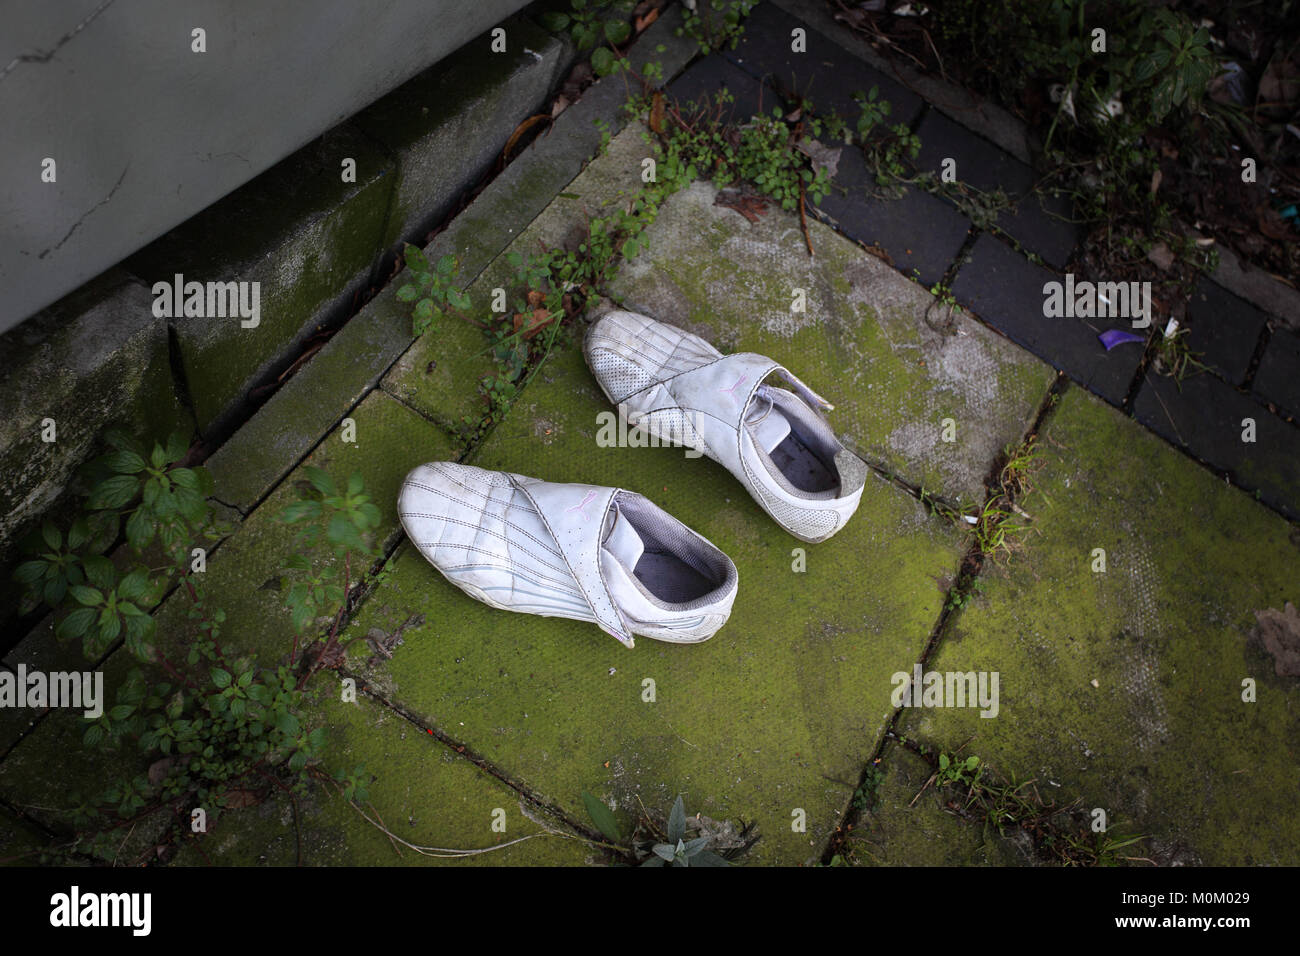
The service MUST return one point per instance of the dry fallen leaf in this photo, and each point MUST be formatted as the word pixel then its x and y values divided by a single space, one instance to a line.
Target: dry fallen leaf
pixel 749 206
pixel 1279 633
pixel 520 130
pixel 532 322
pixel 657 113
pixel 822 157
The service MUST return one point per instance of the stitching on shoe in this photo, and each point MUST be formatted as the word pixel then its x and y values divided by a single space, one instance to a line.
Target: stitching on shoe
pixel 495 534
pixel 505 521
pixel 475 548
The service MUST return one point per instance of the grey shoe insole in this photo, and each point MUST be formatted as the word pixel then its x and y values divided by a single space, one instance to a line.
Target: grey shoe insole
pixel 670 579
pixel 801 467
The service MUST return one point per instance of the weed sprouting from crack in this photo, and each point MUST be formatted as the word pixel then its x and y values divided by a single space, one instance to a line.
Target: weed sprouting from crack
pixel 968 788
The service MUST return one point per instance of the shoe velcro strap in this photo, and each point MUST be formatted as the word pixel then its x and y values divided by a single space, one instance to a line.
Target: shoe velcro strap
pixel 574 514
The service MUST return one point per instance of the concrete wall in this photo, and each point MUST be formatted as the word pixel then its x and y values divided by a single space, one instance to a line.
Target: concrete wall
pixel 145 132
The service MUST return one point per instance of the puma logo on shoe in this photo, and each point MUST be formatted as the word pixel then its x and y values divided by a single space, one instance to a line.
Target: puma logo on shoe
pixel 580 507
pixel 731 392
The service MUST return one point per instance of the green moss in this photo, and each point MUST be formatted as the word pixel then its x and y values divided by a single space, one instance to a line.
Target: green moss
pixel 911 825
pixel 298 230
pixel 439 375
pixel 243 576
pixel 421 791
pixel 1163 742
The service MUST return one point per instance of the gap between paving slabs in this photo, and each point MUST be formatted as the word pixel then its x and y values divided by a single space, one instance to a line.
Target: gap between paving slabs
pixel 959 590
pixel 244 580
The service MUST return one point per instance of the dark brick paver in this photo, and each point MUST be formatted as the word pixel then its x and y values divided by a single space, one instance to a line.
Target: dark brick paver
pixel 1040 227
pixel 1205 416
pixel 918 230
pixel 1224 329
pixel 826 73
pixel 1278 377
pixel 1006 290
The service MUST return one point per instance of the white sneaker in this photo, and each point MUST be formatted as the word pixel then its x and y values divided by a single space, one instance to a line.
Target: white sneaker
pixel 681 389
pixel 585 552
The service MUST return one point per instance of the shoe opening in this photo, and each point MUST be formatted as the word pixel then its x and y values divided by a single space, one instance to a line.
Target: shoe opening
pixel 671 565
pixel 797 446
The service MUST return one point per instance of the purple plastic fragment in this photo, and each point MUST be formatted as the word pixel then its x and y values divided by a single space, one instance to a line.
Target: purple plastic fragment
pixel 1113 337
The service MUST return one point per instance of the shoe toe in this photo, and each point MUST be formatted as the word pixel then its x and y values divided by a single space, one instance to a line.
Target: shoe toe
pixel 626 353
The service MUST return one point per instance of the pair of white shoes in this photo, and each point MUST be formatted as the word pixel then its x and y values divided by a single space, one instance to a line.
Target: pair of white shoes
pixel 614 557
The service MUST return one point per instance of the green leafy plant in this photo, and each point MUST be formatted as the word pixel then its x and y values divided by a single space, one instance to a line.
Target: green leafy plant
pixel 715 24
pixel 678 851
pixel 590 27
pixel 1060 834
pixel 216 728
pixel 961 596
pixel 868 791
pixel 671 845
pixel 764 152
pixel 160 505
pixel 345 518
pixel 887 148
pixel 432 288
pixel 954 770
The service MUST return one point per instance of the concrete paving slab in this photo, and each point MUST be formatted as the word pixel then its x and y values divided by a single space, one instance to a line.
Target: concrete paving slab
pixel 439 375
pixel 243 577
pixel 911 823
pixel 419 789
pixel 765 719
pixel 303 234
pixel 1124 688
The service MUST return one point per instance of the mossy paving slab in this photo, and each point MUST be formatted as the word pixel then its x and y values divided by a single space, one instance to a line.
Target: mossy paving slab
pixel 50 770
pixel 422 791
pixel 20 843
pixel 890 356
pixel 913 824
pixel 776 713
pixel 432 375
pixel 1164 742
pixel 243 577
